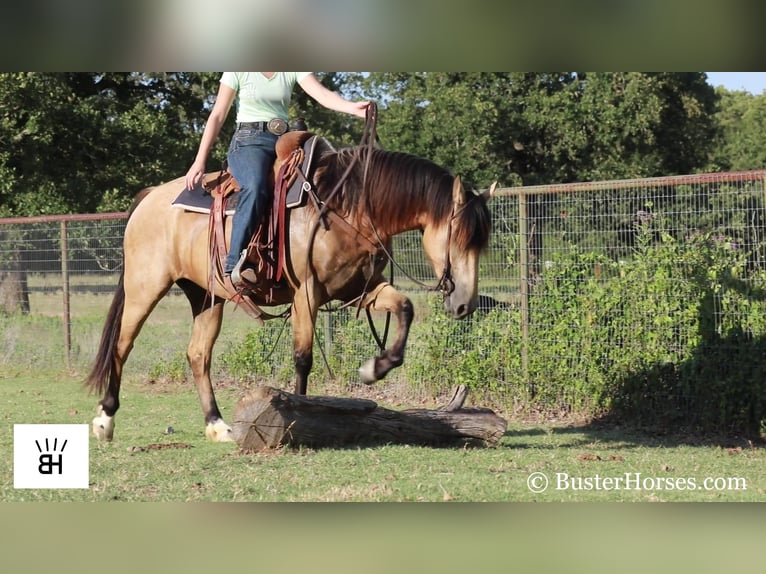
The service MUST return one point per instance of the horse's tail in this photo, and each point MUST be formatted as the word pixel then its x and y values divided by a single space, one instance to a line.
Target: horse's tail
pixel 105 365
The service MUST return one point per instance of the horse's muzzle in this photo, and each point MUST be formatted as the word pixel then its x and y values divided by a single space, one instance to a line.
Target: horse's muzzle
pixel 459 308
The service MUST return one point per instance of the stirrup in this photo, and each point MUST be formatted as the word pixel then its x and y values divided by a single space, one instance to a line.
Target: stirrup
pixel 235 273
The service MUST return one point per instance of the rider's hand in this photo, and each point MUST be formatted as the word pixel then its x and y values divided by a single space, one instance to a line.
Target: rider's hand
pixel 194 175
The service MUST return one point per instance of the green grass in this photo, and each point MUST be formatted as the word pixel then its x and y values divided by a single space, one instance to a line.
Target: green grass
pixel 36 340
pixel 144 463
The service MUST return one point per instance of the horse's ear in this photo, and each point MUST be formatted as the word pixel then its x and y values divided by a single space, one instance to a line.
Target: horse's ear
pixel 458 193
pixel 490 193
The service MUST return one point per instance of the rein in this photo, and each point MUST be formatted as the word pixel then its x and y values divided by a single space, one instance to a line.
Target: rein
pixel 445 283
pixel 366 145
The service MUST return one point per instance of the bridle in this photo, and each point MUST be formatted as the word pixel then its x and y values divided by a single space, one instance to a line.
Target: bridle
pixel 445 284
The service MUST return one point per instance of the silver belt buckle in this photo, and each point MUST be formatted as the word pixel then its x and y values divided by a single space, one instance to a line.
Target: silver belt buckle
pixel 277 126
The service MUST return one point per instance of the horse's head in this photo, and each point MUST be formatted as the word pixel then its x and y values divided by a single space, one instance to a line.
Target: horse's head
pixel 454 247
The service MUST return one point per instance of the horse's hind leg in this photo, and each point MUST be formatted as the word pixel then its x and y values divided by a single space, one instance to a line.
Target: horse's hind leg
pixel 386 298
pixel 207 326
pixel 130 307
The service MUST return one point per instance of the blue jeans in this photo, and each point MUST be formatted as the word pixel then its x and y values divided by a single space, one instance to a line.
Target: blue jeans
pixel 251 158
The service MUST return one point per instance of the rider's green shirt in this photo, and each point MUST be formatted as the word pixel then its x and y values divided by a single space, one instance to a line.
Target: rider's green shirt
pixel 260 99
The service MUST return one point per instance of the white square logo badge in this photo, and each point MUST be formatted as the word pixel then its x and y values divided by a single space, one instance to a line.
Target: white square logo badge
pixel 51 456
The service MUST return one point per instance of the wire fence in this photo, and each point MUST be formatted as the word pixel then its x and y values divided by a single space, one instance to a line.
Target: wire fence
pixel 585 288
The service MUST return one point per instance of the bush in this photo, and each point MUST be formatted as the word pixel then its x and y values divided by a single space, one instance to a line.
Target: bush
pixel 672 337
pixel 481 352
pixel 265 353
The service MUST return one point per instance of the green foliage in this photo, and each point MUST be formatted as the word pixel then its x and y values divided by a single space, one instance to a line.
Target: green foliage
pixel 741 143
pixel 175 369
pixel 70 139
pixel 651 340
pixel 481 352
pixel 673 335
pixel 549 127
pixel 352 341
pixel 342 130
pixel 264 353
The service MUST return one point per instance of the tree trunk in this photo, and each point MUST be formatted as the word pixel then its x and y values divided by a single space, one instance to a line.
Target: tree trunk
pixel 14 292
pixel 268 418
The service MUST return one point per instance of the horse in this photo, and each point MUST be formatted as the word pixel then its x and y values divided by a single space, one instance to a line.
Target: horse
pixel 336 249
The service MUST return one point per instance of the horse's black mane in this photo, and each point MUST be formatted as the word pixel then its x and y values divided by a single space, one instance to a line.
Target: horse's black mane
pixel 396 184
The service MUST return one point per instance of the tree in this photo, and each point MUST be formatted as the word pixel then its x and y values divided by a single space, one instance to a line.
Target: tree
pixel 14 293
pixel 741 144
pixel 85 142
pixel 80 142
pixel 549 127
pixel 342 130
pixel 454 119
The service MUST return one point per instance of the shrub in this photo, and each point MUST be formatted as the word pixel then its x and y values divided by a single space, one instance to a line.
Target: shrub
pixel 673 336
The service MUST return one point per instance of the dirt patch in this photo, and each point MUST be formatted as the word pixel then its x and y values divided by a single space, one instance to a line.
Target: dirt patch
pixel 159 446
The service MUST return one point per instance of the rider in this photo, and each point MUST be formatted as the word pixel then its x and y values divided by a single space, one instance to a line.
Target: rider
pixel 263 99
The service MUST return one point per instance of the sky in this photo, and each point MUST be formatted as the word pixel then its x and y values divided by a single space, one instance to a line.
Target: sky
pixel 753 82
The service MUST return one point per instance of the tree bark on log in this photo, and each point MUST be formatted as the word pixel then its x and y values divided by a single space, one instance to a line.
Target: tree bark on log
pixel 268 418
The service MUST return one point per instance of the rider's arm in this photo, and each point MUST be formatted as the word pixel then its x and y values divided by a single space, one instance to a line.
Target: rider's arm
pixel 331 100
pixel 220 110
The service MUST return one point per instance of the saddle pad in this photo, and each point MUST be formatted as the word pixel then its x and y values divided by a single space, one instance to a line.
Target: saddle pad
pixel 312 149
pixel 199 200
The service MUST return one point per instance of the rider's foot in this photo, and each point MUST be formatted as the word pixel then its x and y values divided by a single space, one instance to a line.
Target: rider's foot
pixel 235 273
pixel 248 275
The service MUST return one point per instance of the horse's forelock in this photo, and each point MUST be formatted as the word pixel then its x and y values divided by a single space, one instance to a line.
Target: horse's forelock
pixel 472 225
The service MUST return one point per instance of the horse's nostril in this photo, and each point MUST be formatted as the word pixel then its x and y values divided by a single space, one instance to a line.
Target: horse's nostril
pixel 462 310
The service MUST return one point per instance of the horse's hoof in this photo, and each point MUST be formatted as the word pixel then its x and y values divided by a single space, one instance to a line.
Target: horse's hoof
pixel 103 425
pixel 219 431
pixel 367 372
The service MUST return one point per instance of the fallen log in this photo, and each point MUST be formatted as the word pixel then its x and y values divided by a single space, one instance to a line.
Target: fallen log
pixel 268 418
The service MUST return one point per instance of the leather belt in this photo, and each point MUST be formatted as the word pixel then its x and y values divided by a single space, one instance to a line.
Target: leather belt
pixel 277 126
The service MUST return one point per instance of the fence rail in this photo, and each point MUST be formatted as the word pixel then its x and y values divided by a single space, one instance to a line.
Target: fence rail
pixel 567 284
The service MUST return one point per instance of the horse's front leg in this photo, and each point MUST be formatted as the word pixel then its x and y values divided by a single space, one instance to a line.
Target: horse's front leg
pixel 303 316
pixel 386 298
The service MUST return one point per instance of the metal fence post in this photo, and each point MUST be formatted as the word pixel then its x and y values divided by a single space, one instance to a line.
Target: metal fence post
pixel 524 283
pixel 65 289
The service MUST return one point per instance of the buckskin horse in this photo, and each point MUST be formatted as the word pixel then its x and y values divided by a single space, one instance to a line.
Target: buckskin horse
pixel 336 248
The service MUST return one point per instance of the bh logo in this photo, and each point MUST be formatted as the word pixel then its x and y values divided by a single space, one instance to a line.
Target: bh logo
pixel 50 456
pixel 47 463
